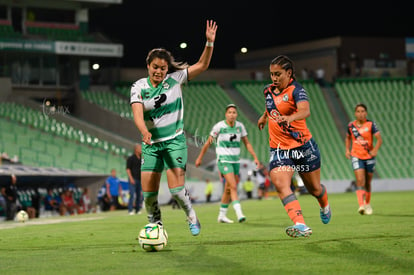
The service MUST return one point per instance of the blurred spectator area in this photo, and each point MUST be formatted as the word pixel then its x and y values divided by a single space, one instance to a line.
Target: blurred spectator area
pixel 57 31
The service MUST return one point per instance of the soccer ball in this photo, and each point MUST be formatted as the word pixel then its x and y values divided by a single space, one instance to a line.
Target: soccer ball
pixel 153 237
pixel 22 216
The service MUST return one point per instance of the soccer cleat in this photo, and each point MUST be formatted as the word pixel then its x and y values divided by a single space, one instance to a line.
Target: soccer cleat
pixel 326 217
pixel 195 228
pixel 368 209
pixel 361 210
pixel 298 230
pixel 240 217
pixel 224 220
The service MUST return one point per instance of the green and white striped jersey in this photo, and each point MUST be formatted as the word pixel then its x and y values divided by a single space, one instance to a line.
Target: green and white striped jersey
pixel 228 140
pixel 163 105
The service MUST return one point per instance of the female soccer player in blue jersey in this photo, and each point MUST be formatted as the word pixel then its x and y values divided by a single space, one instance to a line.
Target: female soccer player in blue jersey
pixel 158 109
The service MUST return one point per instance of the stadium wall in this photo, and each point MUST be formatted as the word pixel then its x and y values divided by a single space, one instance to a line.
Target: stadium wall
pixel 333 54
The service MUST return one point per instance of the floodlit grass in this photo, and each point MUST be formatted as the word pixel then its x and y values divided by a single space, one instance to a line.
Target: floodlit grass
pixel 106 243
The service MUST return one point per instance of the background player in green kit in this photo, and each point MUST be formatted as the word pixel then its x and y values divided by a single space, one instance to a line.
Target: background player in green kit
pixel 157 106
pixel 229 133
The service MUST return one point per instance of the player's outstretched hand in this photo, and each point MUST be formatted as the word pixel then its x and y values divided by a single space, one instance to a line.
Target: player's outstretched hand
pixel 211 30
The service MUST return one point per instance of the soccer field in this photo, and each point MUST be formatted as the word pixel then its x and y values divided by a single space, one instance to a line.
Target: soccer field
pixel 105 243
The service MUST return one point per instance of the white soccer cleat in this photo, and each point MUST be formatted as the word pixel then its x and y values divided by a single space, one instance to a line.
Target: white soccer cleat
pixel 224 220
pixel 361 210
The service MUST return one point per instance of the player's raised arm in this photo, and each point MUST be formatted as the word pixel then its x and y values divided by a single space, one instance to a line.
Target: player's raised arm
pixel 205 57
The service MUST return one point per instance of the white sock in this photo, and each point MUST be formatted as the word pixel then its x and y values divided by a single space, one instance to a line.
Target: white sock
pixel 223 211
pixel 183 199
pixel 237 209
pixel 152 207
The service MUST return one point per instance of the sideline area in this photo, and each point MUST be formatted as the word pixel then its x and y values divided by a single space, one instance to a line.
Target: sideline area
pixel 47 220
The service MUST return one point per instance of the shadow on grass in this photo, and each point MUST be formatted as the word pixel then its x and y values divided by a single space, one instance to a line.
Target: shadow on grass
pixel 355 252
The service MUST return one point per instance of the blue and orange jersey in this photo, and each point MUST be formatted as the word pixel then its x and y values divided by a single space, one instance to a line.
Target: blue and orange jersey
pixel 362 138
pixel 284 104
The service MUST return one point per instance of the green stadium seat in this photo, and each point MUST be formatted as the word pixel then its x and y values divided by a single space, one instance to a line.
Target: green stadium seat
pixel 393 115
pixel 48 143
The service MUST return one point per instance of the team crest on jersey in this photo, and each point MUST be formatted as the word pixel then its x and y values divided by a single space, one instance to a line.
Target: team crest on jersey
pixel 165 85
pixel 278 100
pixel 274 113
pixel 285 98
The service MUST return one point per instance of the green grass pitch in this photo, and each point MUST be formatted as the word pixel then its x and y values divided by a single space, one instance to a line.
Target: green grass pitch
pixel 105 243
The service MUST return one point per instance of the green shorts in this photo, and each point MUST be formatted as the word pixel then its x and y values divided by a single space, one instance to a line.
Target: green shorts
pixel 166 154
pixel 227 167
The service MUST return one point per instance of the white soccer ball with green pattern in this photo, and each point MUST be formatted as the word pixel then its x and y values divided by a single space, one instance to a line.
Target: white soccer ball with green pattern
pixel 153 237
pixel 22 216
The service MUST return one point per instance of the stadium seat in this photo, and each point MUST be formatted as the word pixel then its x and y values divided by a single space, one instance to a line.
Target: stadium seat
pixel 53 143
pixel 388 101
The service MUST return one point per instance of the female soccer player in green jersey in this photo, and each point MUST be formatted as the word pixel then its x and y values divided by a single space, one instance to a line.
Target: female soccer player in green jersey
pixel 229 134
pixel 157 107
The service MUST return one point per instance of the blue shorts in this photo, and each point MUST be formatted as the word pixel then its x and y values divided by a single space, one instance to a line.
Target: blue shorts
pixel 367 164
pixel 305 158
